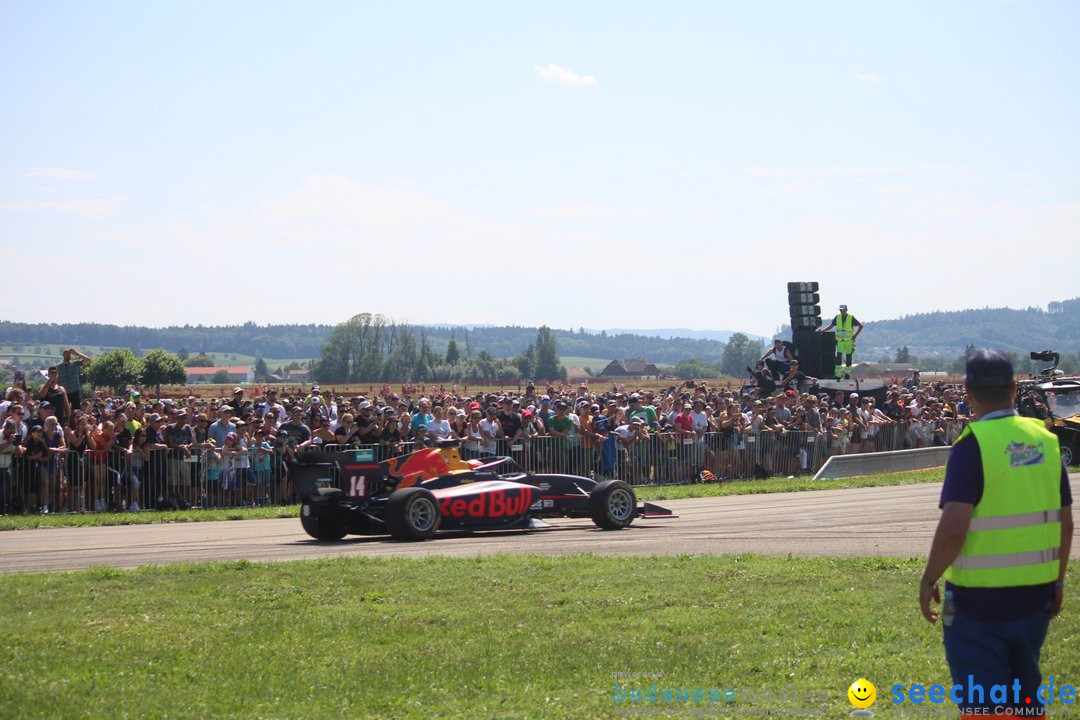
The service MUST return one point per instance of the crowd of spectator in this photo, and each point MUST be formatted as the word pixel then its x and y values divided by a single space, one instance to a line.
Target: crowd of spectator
pixel 63 451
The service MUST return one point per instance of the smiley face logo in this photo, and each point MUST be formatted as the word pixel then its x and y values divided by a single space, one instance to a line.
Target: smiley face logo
pixel 862 695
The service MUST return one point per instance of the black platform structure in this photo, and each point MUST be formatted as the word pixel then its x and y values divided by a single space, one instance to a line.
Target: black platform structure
pixel 815 350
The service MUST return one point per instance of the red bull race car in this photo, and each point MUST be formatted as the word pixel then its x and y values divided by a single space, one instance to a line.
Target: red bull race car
pixel 414 496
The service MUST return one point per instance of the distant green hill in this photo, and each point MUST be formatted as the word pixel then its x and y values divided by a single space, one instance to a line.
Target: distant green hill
pixel 305 341
pixel 938 333
pixel 1056 328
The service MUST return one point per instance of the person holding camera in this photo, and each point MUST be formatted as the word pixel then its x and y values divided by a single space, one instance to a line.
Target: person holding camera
pixel 368 425
pixel 294 428
pixel 10 443
pixel 763 379
pixel 68 375
pixel 54 393
pixel 794 379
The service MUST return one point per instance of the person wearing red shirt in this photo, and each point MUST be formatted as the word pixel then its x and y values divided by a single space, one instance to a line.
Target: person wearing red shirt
pixel 684 428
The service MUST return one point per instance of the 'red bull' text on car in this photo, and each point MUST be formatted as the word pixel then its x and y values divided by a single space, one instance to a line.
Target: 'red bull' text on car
pixel 416 495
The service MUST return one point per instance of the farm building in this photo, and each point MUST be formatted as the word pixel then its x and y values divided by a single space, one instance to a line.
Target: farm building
pixel 638 368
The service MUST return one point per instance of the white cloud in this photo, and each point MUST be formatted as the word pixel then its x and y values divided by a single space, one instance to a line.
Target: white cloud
pixel 567 78
pixel 335 200
pixel 793 187
pixel 961 234
pixel 91 208
pixel 868 78
pixel 330 227
pixel 571 212
pixel 59 173
pixel 787 171
pixel 780 171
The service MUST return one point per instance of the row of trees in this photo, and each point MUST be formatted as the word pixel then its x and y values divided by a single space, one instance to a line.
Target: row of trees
pixel 280 341
pixel 955 364
pixel 370 347
pixel 305 341
pixel 121 368
pixel 739 352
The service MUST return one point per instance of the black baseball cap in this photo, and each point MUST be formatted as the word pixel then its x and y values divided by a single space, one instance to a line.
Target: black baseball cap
pixel 989 369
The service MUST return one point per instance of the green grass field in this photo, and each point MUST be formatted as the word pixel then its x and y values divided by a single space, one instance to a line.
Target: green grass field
pixel 55 353
pixel 146 517
pixel 497 637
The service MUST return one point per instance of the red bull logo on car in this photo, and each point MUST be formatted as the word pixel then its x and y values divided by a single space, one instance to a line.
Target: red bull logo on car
pixel 1022 455
pixel 506 503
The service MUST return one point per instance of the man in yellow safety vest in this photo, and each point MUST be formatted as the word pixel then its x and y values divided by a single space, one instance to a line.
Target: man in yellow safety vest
pixel 847 330
pixel 1002 544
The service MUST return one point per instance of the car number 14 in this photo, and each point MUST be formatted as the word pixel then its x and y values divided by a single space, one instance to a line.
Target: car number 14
pixel 356 486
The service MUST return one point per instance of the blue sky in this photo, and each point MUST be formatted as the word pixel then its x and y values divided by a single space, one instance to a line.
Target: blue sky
pixel 606 164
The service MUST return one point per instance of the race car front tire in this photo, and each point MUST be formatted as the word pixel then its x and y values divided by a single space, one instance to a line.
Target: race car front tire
pixel 412 513
pixel 321 528
pixel 1069 452
pixel 612 505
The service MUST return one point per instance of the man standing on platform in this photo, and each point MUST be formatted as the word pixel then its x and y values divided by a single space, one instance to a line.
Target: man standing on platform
pixel 847 330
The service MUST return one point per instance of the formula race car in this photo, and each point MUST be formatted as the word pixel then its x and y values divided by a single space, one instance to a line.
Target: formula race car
pixel 414 496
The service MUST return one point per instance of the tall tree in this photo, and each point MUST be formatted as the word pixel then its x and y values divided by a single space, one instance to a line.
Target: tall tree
pixel 353 351
pixel 694 368
pixel 526 362
pixel 903 355
pixel 160 366
pixel 453 355
pixel 401 360
pixel 261 372
pixel 548 366
pixel 115 370
pixel 739 352
pixel 200 360
pixel 425 361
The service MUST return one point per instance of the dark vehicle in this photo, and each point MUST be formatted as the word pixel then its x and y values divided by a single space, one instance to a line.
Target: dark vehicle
pixel 416 495
pixel 1051 396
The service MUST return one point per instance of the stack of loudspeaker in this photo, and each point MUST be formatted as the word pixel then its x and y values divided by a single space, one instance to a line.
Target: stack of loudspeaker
pixel 816 351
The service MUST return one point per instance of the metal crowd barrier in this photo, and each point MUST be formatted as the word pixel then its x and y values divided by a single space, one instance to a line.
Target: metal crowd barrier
pixel 170 479
pixel 120 481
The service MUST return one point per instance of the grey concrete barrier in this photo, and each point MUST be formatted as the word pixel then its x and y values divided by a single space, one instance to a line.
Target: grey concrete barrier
pixel 841 466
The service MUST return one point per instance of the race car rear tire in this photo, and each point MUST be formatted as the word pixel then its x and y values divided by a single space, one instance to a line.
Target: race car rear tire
pixel 412 513
pixel 612 505
pixel 322 528
pixel 1070 454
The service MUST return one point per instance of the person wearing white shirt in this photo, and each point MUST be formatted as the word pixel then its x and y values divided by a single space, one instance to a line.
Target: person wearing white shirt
pixel 491 430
